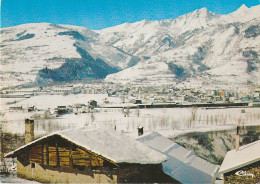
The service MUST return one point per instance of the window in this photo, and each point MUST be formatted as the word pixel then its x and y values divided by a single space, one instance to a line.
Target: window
pixel 81 168
pixel 32 165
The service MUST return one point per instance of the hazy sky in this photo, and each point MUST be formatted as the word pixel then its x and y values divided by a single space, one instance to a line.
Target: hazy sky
pixel 98 14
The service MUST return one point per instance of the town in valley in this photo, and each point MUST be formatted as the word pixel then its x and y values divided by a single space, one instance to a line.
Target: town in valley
pixel 94 97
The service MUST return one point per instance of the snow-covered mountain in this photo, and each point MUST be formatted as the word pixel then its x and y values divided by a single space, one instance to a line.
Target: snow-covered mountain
pixel 199 48
pixel 28 48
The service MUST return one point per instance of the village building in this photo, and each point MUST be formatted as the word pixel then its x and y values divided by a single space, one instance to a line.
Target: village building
pixel 182 164
pixel 16 108
pixel 79 108
pixel 242 165
pixel 62 109
pixel 62 90
pixel 92 103
pixel 89 155
pixel 17 95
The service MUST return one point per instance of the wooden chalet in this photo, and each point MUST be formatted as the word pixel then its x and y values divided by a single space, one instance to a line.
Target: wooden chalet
pixel 89 156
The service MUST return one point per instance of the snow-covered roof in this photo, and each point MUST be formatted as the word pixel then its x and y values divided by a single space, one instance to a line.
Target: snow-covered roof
pixel 246 155
pixel 182 164
pixel 110 144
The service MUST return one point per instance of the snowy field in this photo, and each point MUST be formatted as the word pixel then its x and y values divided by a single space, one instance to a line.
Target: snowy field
pixel 167 121
pixel 12 178
pixel 170 122
pixel 52 101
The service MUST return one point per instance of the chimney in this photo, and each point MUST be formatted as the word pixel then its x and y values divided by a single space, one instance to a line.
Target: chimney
pixel 140 130
pixel 29 130
pixel 237 139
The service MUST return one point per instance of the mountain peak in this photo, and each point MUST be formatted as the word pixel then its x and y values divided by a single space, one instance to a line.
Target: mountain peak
pixel 202 13
pixel 242 11
pixel 242 7
pixel 145 21
pixel 196 19
pixel 202 10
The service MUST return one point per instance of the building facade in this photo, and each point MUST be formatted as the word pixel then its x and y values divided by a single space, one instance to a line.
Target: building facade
pixel 57 159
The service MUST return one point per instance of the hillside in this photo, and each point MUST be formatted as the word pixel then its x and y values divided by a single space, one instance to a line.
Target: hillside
pixel 199 49
pixel 30 48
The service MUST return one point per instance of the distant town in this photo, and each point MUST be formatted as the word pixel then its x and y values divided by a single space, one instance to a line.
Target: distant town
pixel 141 94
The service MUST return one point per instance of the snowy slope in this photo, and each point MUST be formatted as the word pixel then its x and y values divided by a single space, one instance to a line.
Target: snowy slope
pixel 25 49
pixel 206 48
pixel 243 14
pixel 201 48
pixel 148 37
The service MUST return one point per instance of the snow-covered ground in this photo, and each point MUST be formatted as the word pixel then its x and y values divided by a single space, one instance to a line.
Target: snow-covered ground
pixel 12 178
pixel 52 101
pixel 169 122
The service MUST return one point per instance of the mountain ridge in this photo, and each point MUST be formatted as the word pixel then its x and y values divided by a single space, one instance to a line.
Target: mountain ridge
pixel 191 47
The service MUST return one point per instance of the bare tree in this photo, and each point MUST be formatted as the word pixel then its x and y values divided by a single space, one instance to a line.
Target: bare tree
pixel 216 119
pixel 211 119
pixel 173 124
pixel 138 111
pixel 92 117
pixel 87 123
pixel 239 121
pixel 199 119
pixel 126 111
pixel 194 113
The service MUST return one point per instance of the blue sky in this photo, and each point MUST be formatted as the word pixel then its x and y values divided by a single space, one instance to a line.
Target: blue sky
pixel 98 14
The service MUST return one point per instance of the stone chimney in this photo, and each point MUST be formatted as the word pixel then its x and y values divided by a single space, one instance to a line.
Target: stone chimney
pixel 29 130
pixel 237 139
pixel 140 130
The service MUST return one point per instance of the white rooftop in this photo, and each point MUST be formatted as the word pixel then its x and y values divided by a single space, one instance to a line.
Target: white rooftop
pixel 108 143
pixel 182 164
pixel 246 155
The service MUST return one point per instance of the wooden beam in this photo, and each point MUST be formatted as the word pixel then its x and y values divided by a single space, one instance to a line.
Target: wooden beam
pixel 102 157
pixel 70 156
pixel 27 155
pixel 57 155
pixel 47 153
pixel 42 154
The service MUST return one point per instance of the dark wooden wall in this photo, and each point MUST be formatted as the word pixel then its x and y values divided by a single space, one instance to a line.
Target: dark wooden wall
pixel 61 153
pixel 254 168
